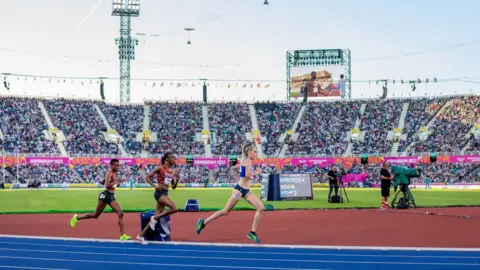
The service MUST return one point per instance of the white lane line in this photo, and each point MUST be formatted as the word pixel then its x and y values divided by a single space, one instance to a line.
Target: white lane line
pixel 145 249
pixel 155 264
pixel 243 245
pixel 250 259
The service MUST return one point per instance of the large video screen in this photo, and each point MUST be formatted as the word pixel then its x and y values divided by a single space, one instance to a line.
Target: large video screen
pixel 296 187
pixel 318 81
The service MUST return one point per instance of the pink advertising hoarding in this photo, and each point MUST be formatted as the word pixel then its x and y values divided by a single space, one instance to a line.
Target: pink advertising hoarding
pixel 210 162
pixel 46 160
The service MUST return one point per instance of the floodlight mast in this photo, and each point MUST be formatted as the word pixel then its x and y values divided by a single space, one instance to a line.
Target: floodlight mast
pixel 125 9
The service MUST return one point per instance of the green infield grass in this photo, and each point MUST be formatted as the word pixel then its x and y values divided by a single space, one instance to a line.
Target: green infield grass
pixel 84 200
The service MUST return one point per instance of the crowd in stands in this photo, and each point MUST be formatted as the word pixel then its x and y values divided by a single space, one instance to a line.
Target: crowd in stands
pixel 420 112
pixel 324 127
pixel 22 125
pixel 51 173
pixel 176 125
pixel 378 119
pixel 449 132
pixel 58 173
pixel 229 124
pixel 127 121
pixel 82 126
pixel 323 130
pixel 273 121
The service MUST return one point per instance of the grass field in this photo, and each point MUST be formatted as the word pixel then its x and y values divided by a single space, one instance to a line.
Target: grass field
pixel 80 200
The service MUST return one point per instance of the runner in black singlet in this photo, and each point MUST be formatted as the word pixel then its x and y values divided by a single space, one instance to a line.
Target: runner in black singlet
pixel 107 197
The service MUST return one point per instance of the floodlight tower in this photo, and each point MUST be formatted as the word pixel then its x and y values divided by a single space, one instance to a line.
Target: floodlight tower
pixel 125 9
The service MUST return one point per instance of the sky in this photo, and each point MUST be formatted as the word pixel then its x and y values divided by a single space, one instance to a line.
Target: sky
pixel 237 42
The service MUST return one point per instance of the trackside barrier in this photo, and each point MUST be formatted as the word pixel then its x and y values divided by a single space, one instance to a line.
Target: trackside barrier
pixel 162 229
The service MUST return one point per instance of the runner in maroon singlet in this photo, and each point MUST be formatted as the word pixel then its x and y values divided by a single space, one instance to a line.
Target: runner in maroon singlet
pixel 107 197
pixel 166 175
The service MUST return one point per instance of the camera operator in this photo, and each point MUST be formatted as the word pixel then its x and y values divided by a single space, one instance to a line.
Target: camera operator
pixel 332 181
pixel 386 182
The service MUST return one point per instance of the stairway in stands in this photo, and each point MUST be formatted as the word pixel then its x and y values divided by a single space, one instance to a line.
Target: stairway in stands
pixel 206 126
pixel 253 117
pixel 348 151
pixel 60 138
pixel 105 121
pixel 299 117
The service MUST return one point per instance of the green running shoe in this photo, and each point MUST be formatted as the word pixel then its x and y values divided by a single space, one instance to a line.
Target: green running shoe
pixel 200 225
pixel 254 237
pixel 73 221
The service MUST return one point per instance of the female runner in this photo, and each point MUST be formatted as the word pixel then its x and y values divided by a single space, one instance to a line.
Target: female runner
pixel 166 175
pixel 241 190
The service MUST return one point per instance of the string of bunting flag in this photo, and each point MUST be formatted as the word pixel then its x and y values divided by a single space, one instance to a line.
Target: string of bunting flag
pixel 222 83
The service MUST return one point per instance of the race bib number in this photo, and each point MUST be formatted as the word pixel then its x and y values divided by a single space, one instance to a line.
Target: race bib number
pixel 237 196
pixel 102 196
pixel 168 179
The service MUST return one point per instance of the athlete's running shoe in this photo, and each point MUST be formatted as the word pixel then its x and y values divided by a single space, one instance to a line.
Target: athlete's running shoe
pixel 141 240
pixel 73 221
pixel 125 237
pixel 153 222
pixel 200 225
pixel 254 237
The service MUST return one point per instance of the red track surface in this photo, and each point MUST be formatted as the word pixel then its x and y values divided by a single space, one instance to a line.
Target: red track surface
pixel 312 227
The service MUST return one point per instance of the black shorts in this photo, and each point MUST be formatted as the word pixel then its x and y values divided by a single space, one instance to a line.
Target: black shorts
pixel 106 196
pixel 243 191
pixel 385 187
pixel 159 193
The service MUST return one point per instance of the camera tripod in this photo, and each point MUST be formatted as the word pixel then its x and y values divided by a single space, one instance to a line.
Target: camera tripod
pixel 342 187
pixel 407 194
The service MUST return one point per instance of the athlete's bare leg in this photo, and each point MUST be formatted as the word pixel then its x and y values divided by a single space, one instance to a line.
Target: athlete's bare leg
pixel 226 210
pixel 118 210
pixel 257 203
pixel 158 209
pixel 98 211
pixel 172 208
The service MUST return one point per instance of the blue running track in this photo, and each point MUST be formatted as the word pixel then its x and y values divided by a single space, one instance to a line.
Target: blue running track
pixel 18 252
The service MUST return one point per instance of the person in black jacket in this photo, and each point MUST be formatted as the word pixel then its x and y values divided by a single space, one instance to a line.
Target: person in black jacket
pixel 332 181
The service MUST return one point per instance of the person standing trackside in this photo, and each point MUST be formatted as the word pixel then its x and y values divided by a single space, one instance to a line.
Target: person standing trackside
pixel 386 183
pixel 332 181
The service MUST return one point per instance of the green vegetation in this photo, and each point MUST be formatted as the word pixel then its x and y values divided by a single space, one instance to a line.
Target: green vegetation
pixel 82 200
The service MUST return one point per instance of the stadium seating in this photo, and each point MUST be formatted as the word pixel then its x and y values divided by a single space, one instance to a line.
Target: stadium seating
pixel 379 118
pixel 420 112
pixel 449 133
pixel 127 120
pixel 81 125
pixel 229 123
pixel 323 129
pixel 56 173
pixel 22 125
pixel 273 121
pixel 176 125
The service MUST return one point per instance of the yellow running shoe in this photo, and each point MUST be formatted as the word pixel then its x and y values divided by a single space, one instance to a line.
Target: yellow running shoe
pixel 125 237
pixel 73 221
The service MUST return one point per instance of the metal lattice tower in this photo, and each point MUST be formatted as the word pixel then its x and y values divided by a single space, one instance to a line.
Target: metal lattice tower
pixel 125 9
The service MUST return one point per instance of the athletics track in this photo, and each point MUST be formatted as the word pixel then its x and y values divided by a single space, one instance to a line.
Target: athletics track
pixel 57 253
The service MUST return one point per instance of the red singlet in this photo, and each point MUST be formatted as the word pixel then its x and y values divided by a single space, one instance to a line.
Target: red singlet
pixel 165 176
pixel 111 180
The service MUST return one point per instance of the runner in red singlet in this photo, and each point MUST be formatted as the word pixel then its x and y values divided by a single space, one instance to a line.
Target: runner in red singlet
pixel 166 175
pixel 107 197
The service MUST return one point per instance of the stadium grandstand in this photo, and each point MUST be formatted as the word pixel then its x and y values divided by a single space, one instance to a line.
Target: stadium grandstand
pixel 35 127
